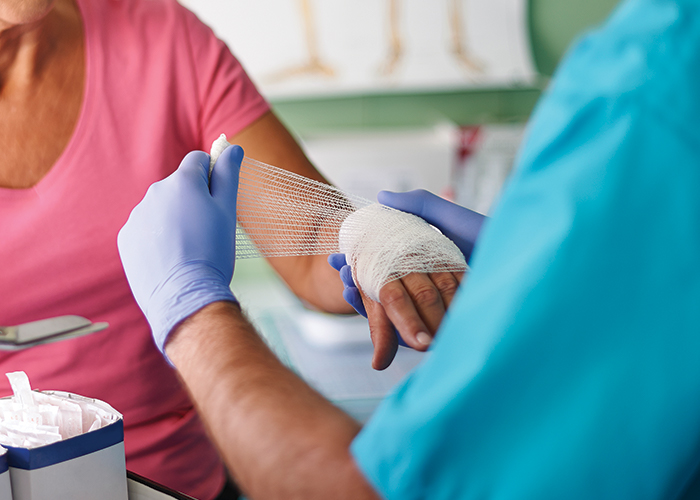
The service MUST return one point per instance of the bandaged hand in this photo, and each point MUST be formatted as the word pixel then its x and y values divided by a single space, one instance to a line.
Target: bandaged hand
pixel 411 309
pixel 178 246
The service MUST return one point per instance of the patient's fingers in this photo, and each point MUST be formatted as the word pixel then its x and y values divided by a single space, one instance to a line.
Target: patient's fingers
pixel 401 311
pixel 447 285
pixel 426 297
pixel 417 303
pixel 382 333
pixel 415 306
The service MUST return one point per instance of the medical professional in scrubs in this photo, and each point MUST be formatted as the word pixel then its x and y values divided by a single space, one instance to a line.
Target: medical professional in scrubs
pixel 568 366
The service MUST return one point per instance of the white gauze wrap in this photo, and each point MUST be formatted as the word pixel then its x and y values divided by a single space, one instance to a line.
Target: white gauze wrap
pixel 286 214
pixel 382 245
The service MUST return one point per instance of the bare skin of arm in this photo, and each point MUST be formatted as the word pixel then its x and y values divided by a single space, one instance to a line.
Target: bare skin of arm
pixel 279 438
pixel 309 277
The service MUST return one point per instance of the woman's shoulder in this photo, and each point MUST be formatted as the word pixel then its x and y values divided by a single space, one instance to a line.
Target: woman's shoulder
pixel 137 15
pixel 160 25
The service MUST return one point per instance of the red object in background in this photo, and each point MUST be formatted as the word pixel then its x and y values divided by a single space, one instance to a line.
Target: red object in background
pixel 467 141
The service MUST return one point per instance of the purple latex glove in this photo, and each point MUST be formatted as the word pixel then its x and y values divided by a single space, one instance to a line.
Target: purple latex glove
pixel 350 292
pixel 178 246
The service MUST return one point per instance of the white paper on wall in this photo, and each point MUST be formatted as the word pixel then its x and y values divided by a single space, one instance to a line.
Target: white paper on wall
pixel 300 48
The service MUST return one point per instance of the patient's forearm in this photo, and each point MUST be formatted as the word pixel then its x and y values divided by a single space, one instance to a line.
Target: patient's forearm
pixel 309 277
pixel 313 280
pixel 279 437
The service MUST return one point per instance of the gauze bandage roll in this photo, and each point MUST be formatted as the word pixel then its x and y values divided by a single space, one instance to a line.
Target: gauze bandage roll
pixel 281 213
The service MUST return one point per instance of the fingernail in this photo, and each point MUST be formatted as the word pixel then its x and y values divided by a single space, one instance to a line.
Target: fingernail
pixel 423 338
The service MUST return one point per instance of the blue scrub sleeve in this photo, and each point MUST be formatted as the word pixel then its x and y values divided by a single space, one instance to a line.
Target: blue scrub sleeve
pixel 569 365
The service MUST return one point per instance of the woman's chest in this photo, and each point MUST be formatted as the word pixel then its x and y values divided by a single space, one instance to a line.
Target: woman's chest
pixel 38 115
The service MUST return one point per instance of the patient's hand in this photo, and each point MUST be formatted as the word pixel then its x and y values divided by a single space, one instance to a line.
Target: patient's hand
pixel 414 306
pixel 409 312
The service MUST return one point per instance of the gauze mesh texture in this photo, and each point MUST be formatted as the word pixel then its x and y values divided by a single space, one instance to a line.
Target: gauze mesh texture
pixel 281 213
pixel 288 214
pixel 382 245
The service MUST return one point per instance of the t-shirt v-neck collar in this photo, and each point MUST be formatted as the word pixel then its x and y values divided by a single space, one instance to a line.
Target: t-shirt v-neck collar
pixel 65 160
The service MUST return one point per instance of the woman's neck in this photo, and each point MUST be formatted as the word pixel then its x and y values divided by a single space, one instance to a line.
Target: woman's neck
pixel 42 78
pixel 26 50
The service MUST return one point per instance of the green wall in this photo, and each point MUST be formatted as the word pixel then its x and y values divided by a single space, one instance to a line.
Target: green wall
pixel 553 25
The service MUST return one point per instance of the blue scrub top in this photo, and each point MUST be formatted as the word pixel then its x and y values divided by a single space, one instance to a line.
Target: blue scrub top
pixel 569 365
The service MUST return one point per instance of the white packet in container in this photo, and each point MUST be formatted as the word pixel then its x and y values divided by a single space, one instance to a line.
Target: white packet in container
pixel 61 445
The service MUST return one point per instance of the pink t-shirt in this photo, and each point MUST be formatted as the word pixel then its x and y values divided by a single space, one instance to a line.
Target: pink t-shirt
pixel 159 84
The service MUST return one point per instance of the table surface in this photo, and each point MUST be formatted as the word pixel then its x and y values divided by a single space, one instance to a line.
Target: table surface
pixel 141 488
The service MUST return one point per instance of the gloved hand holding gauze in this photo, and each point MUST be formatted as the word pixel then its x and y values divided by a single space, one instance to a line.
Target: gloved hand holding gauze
pixel 284 214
